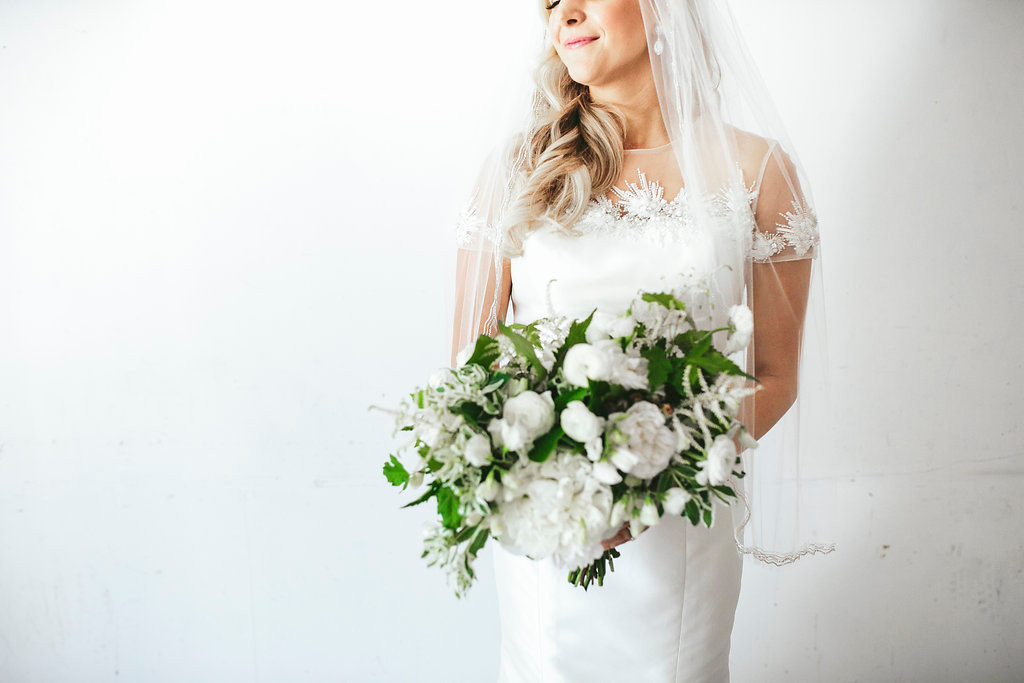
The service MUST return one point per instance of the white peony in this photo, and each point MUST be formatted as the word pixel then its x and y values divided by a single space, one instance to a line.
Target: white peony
pixel 717 468
pixel 741 327
pixel 579 423
pixel 676 499
pixel 563 512
pixel 527 416
pixel 648 444
pixel 478 450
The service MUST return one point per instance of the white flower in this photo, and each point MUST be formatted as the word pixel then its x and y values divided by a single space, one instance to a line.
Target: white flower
pixel 676 499
pixel 473 518
pixel 746 440
pixel 604 360
pixel 606 473
pixel 563 513
pixel 650 444
pixel 584 362
pixel 415 480
pixel 620 513
pixel 527 416
pixel 717 468
pixel 622 326
pixel 579 423
pixel 624 459
pixel 488 488
pixel 598 329
pixel 478 450
pixel 741 327
pixel 649 513
pixel 465 353
pixel 595 447
pixel 607 326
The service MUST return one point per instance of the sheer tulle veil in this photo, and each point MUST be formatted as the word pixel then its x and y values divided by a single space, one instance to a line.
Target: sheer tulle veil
pixel 731 146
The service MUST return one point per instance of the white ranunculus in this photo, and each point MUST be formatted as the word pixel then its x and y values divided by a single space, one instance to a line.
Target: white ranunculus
pixel 676 499
pixel 741 324
pixel 478 450
pixel 584 362
pixel 606 473
pixel 715 470
pixel 579 423
pixel 649 513
pixel 650 444
pixel 527 416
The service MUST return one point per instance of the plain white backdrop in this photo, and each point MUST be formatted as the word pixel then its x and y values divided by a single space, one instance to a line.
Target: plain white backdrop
pixel 226 229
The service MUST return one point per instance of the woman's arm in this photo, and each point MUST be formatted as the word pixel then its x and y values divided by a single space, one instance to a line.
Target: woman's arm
pixel 475 269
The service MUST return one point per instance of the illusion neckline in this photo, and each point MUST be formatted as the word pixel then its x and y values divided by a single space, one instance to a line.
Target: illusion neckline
pixel 650 149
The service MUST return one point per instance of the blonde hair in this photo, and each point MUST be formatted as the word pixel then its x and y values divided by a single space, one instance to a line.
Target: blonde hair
pixel 574 152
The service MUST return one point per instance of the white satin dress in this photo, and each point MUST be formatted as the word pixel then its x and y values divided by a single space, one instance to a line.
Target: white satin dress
pixel 665 615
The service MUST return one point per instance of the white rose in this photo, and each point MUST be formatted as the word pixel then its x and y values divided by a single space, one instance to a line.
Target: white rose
pixel 478 450
pixel 584 362
pixel 715 470
pixel 579 423
pixel 741 324
pixel 606 473
pixel 676 499
pixel 650 444
pixel 527 416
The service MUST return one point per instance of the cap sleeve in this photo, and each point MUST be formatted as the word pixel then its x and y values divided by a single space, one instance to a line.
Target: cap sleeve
pixel 786 224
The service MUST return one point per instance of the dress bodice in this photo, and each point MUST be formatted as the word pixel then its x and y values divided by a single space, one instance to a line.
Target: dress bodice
pixel 639 241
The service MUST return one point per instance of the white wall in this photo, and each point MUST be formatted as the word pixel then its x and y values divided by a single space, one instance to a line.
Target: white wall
pixel 208 271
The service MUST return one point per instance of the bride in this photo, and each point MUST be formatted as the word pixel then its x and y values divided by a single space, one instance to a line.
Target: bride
pixel 649 152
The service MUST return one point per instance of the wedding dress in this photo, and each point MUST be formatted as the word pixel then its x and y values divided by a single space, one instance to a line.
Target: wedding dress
pixel 665 614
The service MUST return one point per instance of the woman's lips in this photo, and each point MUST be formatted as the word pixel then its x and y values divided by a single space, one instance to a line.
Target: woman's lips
pixel 578 42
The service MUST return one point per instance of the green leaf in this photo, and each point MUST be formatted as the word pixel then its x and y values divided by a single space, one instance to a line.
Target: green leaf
pixel 395 473
pixel 708 518
pixel 665 299
pixel 543 447
pixel 448 508
pixel 524 347
pixel 478 541
pixel 658 366
pixel 431 490
pixel 485 352
pixel 562 400
pixel 693 513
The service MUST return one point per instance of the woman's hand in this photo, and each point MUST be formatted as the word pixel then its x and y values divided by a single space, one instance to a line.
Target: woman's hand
pixel 621 537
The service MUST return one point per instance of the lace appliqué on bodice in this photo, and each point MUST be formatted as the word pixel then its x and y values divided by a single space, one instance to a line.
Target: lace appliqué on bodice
pixel 643 214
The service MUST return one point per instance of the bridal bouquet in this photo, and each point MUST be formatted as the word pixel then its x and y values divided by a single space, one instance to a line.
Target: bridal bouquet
pixel 550 436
